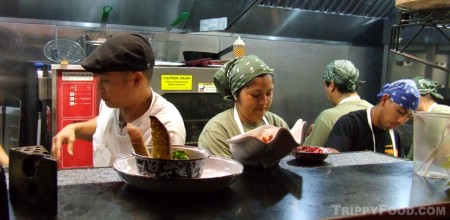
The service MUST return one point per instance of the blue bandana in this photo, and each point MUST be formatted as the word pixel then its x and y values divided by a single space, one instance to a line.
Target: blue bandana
pixel 403 92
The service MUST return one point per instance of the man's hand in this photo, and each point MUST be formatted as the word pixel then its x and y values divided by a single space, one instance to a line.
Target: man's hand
pixel 65 136
pixel 80 130
pixel 137 140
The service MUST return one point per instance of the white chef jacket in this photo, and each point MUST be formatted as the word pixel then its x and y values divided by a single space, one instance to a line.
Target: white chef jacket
pixel 111 143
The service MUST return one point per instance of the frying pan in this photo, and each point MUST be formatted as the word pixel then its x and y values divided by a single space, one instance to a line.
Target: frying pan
pixel 197 55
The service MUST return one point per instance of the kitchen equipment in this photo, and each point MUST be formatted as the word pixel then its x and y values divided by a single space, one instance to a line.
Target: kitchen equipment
pixel 192 91
pixel 63 51
pixel 167 63
pixel 166 50
pixel 91 44
pixel 196 55
pixel 183 16
pixel 199 62
pixel 431 143
pixel 105 15
pixel 96 37
pixel 4 211
pixel 172 168
pixel 33 179
pixel 12 129
pixel 218 173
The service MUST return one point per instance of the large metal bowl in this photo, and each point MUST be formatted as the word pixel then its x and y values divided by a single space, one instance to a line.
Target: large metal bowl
pixel 172 168
pixel 218 173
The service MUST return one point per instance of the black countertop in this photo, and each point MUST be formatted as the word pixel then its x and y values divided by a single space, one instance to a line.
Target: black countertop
pixel 285 191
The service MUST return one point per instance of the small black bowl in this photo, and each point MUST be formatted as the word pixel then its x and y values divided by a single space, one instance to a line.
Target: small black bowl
pixel 311 154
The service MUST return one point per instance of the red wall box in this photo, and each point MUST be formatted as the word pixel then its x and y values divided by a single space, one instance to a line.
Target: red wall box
pixel 76 100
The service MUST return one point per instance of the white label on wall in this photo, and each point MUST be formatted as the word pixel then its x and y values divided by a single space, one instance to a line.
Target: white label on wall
pixel 213 24
pixel 77 76
pixel 207 87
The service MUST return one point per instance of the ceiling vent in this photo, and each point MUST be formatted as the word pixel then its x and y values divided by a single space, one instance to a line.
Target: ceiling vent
pixel 365 8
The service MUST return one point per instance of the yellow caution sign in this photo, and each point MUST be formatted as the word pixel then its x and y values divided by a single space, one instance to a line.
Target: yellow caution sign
pixel 176 82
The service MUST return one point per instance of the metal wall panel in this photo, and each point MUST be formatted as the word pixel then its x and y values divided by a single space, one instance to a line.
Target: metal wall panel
pixel 154 13
pixel 298 63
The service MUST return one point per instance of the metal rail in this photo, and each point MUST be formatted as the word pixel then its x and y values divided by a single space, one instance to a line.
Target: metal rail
pixel 436 18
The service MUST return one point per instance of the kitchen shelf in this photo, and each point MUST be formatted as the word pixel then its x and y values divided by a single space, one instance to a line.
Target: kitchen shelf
pixel 436 18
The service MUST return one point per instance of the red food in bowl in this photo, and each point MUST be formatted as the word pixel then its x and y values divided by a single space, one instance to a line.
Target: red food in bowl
pixel 311 154
pixel 267 138
pixel 312 149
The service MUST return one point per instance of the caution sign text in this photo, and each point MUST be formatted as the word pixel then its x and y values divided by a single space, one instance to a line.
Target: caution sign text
pixel 176 82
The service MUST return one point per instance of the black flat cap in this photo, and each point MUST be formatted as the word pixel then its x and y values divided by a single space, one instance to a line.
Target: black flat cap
pixel 123 52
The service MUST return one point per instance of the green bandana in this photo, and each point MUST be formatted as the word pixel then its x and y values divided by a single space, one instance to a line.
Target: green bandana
pixel 342 72
pixel 238 72
pixel 427 86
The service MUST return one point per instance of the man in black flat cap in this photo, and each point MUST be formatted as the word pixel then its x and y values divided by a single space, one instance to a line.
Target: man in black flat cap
pixel 124 65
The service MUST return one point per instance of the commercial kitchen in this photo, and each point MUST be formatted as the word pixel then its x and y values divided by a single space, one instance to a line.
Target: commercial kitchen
pixel 296 38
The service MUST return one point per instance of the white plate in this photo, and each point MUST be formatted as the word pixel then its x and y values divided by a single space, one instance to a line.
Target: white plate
pixel 217 174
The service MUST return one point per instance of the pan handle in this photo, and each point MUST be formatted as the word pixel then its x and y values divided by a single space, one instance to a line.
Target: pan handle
pixel 225 51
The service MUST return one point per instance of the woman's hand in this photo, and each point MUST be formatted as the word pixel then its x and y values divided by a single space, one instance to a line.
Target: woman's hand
pixel 309 130
pixel 333 150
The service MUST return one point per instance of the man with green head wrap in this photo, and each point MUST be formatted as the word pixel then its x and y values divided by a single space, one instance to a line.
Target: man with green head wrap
pixel 340 81
pixel 249 83
pixel 428 97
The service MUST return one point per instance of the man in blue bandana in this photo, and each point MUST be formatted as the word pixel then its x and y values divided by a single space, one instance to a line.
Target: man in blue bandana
pixel 374 129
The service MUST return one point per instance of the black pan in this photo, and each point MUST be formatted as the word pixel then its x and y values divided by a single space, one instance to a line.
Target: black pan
pixel 197 55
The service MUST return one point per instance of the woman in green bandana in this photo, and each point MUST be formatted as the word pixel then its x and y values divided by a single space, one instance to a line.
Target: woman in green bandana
pixel 249 83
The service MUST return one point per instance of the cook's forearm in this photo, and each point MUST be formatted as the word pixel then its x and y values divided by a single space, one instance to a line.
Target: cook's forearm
pixel 4 159
pixel 85 130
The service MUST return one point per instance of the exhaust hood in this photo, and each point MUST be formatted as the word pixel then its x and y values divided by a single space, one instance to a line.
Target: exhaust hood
pixel 359 22
pixel 365 8
pixel 349 21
